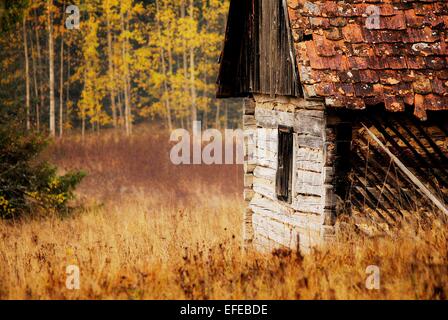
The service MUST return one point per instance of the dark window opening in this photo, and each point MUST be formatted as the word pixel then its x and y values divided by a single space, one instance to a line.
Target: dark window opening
pixel 284 164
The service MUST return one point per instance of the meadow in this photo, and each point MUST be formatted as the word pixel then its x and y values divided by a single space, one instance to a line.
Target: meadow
pixel 146 229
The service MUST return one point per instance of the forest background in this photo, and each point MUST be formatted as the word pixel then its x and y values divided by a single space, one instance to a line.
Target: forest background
pixel 94 64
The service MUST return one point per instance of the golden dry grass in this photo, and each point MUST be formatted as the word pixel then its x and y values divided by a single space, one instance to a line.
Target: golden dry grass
pixel 150 230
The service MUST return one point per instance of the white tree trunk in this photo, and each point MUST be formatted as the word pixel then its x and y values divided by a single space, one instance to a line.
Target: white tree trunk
pixel 126 83
pixel 111 70
pixel 194 115
pixel 27 75
pixel 51 69
pixel 61 91
pixel 39 73
pixel 35 83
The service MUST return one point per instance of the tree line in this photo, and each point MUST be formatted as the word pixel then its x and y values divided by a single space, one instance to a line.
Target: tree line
pixel 126 62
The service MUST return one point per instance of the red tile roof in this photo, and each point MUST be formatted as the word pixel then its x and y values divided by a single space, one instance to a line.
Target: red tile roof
pixel 402 60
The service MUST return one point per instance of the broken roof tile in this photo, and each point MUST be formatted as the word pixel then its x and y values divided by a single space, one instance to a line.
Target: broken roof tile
pixel 412 20
pixel 394 103
pixel 368 76
pixel 395 22
pixel 351 76
pixel 353 33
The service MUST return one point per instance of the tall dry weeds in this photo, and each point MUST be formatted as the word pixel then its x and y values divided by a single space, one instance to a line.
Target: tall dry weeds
pixel 151 230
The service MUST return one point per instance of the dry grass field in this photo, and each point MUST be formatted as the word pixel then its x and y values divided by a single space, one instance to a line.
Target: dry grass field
pixel 150 230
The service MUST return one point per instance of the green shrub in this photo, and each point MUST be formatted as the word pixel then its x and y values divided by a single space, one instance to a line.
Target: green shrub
pixel 27 184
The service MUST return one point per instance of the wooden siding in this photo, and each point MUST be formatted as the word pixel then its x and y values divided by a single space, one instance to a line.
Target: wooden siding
pixel 258 56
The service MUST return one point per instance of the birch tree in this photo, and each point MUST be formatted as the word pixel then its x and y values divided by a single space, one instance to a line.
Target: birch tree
pixel 27 72
pixel 51 67
pixel 130 62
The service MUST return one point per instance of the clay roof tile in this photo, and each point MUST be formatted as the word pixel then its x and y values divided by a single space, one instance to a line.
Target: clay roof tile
pixel 355 59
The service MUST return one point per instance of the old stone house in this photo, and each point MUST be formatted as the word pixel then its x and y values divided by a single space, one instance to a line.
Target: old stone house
pixel 345 111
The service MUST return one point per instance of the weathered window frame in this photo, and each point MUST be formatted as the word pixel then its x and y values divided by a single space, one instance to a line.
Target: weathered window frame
pixel 284 180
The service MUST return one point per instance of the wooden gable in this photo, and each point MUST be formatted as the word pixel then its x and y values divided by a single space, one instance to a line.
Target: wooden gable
pixel 258 54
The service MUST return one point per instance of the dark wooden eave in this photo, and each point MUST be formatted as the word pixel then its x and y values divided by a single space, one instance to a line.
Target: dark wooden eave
pixel 258 55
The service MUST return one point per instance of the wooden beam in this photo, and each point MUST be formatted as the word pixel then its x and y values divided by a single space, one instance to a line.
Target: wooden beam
pixel 439 204
pixel 400 150
pixel 401 181
pixel 371 198
pixel 381 185
pixel 433 145
pixel 398 184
